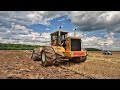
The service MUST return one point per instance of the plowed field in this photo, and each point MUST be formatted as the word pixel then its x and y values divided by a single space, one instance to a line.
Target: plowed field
pixel 16 64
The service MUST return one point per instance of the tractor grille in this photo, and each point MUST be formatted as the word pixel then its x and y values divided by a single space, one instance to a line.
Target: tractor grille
pixel 75 44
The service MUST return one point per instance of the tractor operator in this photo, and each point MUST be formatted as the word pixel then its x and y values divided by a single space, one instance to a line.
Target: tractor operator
pixel 63 44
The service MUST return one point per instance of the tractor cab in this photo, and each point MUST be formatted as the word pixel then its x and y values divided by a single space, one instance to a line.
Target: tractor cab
pixel 58 38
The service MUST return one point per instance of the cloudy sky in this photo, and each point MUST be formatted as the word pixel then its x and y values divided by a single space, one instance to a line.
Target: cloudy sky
pixel 99 29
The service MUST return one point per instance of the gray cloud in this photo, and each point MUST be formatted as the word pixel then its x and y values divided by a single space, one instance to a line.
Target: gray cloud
pixel 13 26
pixel 84 20
pixel 20 34
pixel 107 42
pixel 96 20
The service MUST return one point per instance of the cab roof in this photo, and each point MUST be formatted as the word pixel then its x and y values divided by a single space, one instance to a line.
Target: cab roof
pixel 61 31
pixel 74 37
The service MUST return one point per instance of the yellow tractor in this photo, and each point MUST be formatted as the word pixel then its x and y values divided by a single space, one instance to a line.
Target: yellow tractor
pixel 62 47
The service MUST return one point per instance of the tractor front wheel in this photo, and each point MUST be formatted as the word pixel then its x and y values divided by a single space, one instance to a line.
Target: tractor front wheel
pixel 48 56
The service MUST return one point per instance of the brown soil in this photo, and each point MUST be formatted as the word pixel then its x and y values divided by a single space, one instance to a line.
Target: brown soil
pixel 16 64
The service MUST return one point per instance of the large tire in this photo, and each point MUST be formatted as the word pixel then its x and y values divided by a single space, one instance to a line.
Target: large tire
pixel 36 54
pixel 48 56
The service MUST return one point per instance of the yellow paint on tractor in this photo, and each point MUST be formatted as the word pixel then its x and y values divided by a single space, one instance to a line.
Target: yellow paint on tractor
pixel 59 49
pixel 67 52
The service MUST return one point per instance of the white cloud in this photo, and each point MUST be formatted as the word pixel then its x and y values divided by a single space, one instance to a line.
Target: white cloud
pixel 20 34
pixel 84 20
pixel 47 29
pixel 13 26
pixel 96 20
pixel 35 38
pixel 107 42
pixel 62 20
pixel 29 17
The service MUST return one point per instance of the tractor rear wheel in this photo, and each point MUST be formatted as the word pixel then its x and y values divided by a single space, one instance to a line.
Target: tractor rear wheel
pixel 35 56
pixel 48 56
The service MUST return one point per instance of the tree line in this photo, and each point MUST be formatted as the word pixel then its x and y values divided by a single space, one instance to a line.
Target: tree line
pixel 17 46
pixel 92 49
pixel 28 47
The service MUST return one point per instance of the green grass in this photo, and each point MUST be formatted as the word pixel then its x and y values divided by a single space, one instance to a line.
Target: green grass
pixel 93 49
pixel 17 47
pixel 28 47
